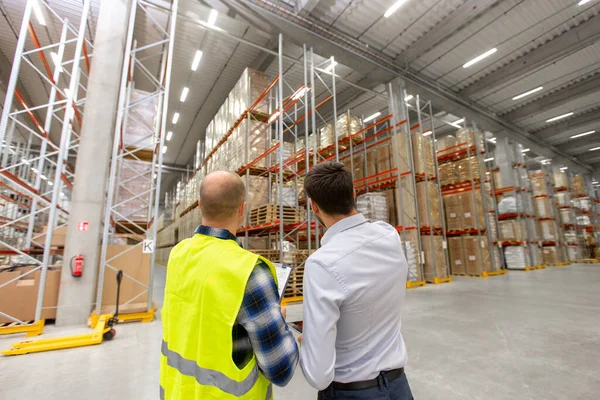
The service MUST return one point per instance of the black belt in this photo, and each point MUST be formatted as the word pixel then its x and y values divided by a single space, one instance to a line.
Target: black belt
pixel 361 385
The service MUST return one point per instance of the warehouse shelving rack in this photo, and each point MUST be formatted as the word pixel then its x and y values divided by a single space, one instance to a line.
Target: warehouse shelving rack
pixel 582 208
pixel 567 229
pixel 35 174
pixel 138 63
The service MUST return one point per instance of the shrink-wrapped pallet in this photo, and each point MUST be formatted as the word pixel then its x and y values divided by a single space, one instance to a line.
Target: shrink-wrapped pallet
pixel 457 255
pixel 257 144
pixel 560 179
pixel 373 206
pixel 547 230
pixel 542 207
pixel 492 226
pixel 400 147
pixel 563 199
pixel 573 253
pixel 515 257
pixel 247 90
pixel 538 184
pixel 477 254
pixel 407 213
pixel 468 169
pixel 511 230
pixel 448 173
pixel 536 255
pixel 325 138
pixel 390 196
pixel 384 158
pixel 510 205
pixel 412 259
pixel 423 155
pixel 435 259
pixel 134 196
pixel 453 212
pixel 550 255
pixel 258 192
pixel 472 210
pixel 427 194
pixel 566 217
pixel 446 142
pixel 578 186
pixel 470 137
pixel 348 125
pixel 140 128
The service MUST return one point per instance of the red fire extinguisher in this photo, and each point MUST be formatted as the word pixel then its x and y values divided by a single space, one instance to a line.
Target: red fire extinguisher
pixel 77 266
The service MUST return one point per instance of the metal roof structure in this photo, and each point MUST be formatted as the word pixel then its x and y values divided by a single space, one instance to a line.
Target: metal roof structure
pixel 553 44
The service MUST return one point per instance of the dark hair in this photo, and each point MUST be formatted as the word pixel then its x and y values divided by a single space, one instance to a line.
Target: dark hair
pixel 330 186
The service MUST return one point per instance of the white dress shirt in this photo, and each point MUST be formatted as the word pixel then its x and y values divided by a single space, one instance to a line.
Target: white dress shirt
pixel 354 288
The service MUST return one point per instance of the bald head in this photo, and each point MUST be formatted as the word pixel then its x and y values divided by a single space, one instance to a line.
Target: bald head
pixel 221 195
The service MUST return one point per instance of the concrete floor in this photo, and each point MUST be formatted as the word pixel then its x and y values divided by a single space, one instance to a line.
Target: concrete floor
pixel 526 335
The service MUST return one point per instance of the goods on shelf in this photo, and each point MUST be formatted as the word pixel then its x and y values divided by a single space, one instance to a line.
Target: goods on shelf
pixel 547 228
pixel 258 191
pixel 573 253
pixel 475 249
pixel 470 137
pixel 325 136
pixel 141 126
pixel 538 184
pixel 515 257
pixel 428 217
pixel 472 210
pixel 578 186
pixel 446 142
pixel 511 230
pixel 536 255
pixel 493 228
pixel 565 217
pixel 563 199
pixel 423 155
pixel 550 255
pixel 433 250
pixel 448 173
pixel 256 134
pixel 453 212
pixel 271 213
pixel 560 179
pixel 412 259
pixel 510 205
pixel 288 195
pixel 166 236
pixel 373 206
pixel 458 260
pixel 542 207
pixel 133 195
pixel 347 125
pixel 468 169
pixel 390 196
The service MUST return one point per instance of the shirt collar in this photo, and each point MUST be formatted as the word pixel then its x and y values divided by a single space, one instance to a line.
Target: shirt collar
pixel 342 225
pixel 217 233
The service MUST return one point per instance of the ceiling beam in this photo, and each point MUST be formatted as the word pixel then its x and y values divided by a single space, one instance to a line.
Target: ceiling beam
pixel 582 146
pixel 579 37
pixel 445 29
pixel 306 6
pixel 576 123
pixel 556 99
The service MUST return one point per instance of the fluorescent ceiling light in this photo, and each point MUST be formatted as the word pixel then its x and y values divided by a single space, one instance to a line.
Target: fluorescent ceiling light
pixel 43 177
pixel 212 18
pixel 273 117
pixel 164 149
pixel 300 92
pixel 196 60
pixel 427 133
pixel 371 117
pixel 35 170
pixel 50 183
pixel 25 161
pixel 175 118
pixel 564 168
pixel 492 140
pixel 409 97
pixel 480 57
pixel 38 13
pixel 330 67
pixel 184 94
pixel 525 150
pixel 169 135
pixel 582 134
pixel 537 89
pixel 582 2
pixel 595 148
pixel 457 123
pixel 489 159
pixel 559 117
pixel 394 8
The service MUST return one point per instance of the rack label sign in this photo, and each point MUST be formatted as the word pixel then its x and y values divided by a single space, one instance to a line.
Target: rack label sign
pixel 83 226
pixel 285 245
pixel 148 246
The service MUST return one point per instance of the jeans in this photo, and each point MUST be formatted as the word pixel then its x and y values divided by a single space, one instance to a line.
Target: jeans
pixel 398 389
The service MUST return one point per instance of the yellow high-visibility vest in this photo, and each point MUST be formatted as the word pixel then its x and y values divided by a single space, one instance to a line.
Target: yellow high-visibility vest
pixel 206 280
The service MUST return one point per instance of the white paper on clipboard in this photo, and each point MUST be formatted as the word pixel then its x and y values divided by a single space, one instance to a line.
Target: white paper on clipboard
pixel 283 275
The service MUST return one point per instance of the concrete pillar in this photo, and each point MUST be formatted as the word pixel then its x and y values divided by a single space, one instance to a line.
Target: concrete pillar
pixel 93 162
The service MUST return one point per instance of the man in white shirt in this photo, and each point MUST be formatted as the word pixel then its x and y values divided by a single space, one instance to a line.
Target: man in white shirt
pixel 354 288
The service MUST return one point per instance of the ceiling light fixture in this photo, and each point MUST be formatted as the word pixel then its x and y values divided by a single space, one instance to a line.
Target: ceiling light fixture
pixel 50 183
pixel 564 168
pixel 582 134
pixel 43 177
pixel 427 133
pixel 525 150
pixel 175 118
pixel 35 170
pixel 184 94
pixel 537 89
pixel 212 18
pixel 480 57
pixel 169 135
pixel 582 2
pixel 38 13
pixel 196 60
pixel 489 159
pixel 372 117
pixel 594 148
pixel 330 67
pixel 409 97
pixel 457 123
pixel 164 149
pixel 300 92
pixel 394 8
pixel 559 117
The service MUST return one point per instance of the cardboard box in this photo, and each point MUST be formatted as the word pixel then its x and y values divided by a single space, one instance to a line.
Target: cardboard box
pixel 453 212
pixel 472 210
pixel 477 254
pixel 134 264
pixel 550 255
pixel 371 162
pixel 428 216
pixel 59 237
pixel 423 154
pixel 433 250
pixel 456 250
pixel 19 298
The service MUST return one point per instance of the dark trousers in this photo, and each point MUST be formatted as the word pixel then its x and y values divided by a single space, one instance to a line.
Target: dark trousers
pixel 398 389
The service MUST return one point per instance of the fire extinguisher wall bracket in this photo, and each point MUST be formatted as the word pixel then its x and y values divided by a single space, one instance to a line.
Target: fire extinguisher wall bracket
pixel 76 265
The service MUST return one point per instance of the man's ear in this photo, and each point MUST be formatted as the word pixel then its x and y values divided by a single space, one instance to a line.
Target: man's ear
pixel 314 206
pixel 242 209
pixel 199 204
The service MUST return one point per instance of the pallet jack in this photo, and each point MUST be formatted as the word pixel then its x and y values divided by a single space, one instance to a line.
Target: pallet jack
pixel 103 330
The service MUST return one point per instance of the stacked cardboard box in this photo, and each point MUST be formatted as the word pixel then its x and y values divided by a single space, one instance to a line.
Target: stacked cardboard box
pixel 542 207
pixel 348 125
pixel 390 196
pixel 446 142
pixel 433 250
pixel 472 210
pixel 453 212
pixel 536 255
pixel 511 230
pixel 565 217
pixel 458 260
pixel 470 137
pixel 516 257
pixel 258 192
pixel 423 154
pixel 550 255
pixel 448 173
pixel 325 136
pixel 412 258
pixel 477 255
pixel 538 184
pixel 254 133
pixel 428 204
pixel 373 206
pixel 468 169
pixel 560 179
pixel 547 228
pixel 563 199
pixel 578 186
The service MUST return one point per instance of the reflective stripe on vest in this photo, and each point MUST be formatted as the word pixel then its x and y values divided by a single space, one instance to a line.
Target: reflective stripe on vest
pixel 209 377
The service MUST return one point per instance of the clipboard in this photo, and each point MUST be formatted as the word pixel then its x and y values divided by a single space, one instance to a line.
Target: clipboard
pixel 283 277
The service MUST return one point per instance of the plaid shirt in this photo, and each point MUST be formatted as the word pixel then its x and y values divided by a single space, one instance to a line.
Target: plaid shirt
pixel 260 328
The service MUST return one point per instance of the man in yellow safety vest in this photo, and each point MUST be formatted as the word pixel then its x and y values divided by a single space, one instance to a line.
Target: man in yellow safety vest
pixel 224 333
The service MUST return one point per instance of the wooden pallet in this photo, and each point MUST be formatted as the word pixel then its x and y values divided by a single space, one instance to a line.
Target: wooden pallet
pixel 589 261
pixel 270 213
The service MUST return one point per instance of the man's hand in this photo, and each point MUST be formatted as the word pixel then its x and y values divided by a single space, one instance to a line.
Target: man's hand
pixel 284 311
